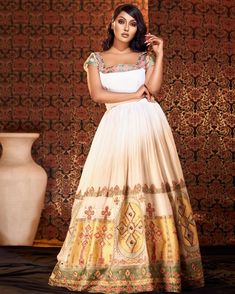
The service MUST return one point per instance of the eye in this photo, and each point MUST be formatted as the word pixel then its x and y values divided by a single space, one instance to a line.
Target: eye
pixel 133 24
pixel 121 21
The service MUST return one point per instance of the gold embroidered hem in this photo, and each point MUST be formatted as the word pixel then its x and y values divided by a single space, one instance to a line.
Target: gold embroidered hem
pixel 146 242
pixel 128 279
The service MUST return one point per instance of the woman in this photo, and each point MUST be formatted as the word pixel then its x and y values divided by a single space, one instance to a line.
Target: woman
pixel 132 227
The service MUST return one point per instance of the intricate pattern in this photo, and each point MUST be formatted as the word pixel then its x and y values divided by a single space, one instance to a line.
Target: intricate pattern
pixel 126 190
pixel 198 99
pixel 130 280
pixel 43 45
pixel 131 228
pixel 144 60
pixel 130 247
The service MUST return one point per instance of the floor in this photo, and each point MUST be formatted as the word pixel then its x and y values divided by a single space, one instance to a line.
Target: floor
pixel 25 270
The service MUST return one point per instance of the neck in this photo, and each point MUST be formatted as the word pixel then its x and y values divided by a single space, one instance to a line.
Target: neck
pixel 120 47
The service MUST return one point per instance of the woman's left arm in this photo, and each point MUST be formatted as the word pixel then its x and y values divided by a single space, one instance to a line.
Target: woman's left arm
pixel 154 73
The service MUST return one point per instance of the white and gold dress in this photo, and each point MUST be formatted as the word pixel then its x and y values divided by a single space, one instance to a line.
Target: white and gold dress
pixel 132 227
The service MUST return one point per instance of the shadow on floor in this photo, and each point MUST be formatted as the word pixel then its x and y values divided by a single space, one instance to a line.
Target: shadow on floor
pixel 25 270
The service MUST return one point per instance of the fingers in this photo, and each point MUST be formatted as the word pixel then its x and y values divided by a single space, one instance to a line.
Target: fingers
pixel 148 96
pixel 147 93
pixel 148 36
pixel 152 40
pixel 144 93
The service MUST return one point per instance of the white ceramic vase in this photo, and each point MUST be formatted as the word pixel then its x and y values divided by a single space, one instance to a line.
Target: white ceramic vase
pixel 22 189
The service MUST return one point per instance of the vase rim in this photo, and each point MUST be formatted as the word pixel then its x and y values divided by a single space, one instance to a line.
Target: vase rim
pixel 19 135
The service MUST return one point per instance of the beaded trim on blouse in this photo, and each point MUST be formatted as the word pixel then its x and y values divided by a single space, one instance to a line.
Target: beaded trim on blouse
pixel 143 61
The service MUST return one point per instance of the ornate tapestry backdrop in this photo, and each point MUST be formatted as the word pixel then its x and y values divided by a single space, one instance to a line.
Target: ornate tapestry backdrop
pixel 43 45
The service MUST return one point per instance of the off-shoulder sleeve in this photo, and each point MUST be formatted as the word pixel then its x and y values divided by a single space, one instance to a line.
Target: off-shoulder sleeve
pixel 92 59
pixel 150 60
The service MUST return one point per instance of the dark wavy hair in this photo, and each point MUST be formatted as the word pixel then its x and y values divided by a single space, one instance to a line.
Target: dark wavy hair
pixel 137 43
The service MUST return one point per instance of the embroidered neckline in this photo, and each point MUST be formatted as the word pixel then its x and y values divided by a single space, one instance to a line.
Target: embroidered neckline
pixel 131 64
pixel 120 67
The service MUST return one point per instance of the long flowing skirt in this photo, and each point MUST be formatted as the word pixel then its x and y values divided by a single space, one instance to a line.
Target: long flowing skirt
pixel 132 227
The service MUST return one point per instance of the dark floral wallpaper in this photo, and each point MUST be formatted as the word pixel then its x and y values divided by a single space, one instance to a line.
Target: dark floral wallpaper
pixel 43 45
pixel 198 98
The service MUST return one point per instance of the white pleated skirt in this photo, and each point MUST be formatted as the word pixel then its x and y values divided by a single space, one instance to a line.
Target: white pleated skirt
pixel 132 227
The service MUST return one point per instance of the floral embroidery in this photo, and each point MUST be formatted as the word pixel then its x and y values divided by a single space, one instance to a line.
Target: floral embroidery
pixel 103 236
pixel 108 246
pixel 144 61
pixel 86 236
pixel 150 210
pixel 89 212
pixel 126 190
pixel 129 280
pixel 120 67
pixel 106 212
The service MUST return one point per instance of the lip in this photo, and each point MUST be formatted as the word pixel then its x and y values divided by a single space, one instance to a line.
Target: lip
pixel 125 35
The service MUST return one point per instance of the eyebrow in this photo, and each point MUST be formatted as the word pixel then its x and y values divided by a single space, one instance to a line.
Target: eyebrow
pixel 126 19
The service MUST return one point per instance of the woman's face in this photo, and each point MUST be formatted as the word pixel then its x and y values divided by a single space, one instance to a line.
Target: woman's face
pixel 124 27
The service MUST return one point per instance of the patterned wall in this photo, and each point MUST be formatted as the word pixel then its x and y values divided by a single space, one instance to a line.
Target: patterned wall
pixel 198 98
pixel 43 45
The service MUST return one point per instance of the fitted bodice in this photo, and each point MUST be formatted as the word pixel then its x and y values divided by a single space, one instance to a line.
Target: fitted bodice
pixel 121 78
pixel 122 82
pixel 125 81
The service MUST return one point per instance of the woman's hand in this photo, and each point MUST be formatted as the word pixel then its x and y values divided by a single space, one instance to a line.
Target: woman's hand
pixel 143 92
pixel 155 43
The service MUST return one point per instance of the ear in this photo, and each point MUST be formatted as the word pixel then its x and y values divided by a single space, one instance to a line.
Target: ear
pixel 112 25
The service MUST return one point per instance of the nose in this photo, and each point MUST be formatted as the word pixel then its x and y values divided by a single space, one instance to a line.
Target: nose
pixel 126 28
